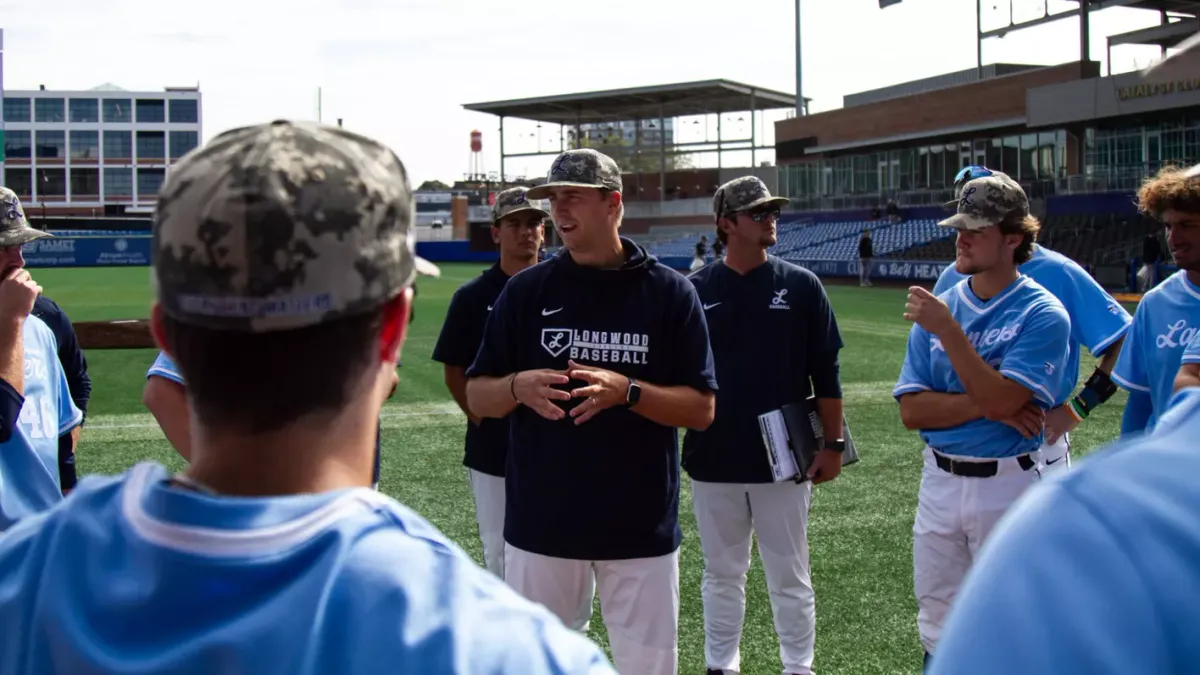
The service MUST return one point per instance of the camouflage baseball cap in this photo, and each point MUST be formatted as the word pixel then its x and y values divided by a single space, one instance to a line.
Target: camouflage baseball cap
pixel 743 194
pixel 987 201
pixel 580 168
pixel 283 225
pixel 14 229
pixel 515 200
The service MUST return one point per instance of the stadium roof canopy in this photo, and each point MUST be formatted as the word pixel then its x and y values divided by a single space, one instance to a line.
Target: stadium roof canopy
pixel 658 101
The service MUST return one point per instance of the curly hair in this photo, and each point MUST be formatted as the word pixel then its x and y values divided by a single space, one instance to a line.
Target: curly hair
pixel 1029 226
pixel 1170 190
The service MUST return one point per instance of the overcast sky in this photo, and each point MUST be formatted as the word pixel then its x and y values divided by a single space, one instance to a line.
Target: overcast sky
pixel 400 70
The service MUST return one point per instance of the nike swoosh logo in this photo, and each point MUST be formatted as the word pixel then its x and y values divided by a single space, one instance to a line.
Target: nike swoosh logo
pixel 1054 461
pixel 708 307
pixel 548 312
pixel 489 308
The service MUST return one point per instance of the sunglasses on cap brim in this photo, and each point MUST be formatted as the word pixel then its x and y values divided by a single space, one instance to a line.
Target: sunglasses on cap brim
pixel 970 173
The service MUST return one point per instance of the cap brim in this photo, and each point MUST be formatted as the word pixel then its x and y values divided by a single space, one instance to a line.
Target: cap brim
pixel 523 209
pixel 543 191
pixel 426 268
pixel 22 236
pixel 773 201
pixel 963 221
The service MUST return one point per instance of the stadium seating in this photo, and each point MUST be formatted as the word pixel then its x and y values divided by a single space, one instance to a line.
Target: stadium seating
pixel 887 238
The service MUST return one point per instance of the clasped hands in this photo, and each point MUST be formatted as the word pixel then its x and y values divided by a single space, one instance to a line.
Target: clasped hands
pixel 604 389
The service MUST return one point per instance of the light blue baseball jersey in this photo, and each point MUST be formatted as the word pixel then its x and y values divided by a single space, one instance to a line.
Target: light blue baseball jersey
pixel 29 479
pixel 1022 332
pixel 1164 323
pixel 1094 571
pixel 132 575
pixel 1097 320
pixel 164 366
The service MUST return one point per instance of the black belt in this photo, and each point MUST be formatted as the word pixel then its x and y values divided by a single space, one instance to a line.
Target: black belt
pixel 986 469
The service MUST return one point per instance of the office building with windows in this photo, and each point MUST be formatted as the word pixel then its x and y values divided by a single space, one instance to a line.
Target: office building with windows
pixel 102 151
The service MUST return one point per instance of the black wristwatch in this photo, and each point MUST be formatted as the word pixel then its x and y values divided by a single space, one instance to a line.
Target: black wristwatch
pixel 839 445
pixel 634 394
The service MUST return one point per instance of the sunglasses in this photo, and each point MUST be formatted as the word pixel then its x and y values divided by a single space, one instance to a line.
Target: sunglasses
pixel 969 174
pixel 763 215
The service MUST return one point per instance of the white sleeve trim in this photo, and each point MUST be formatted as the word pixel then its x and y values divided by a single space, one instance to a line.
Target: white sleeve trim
pixel 1108 341
pixel 1129 386
pixel 1038 390
pixel 909 388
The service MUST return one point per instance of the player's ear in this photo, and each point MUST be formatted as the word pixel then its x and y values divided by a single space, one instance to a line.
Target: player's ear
pixel 496 233
pixel 394 327
pixel 157 333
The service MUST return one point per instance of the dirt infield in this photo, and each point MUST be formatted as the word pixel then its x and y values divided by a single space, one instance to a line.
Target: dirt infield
pixel 120 334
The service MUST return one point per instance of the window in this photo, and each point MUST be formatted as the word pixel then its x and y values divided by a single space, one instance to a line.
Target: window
pixel 51 145
pixel 118 182
pixel 85 110
pixel 85 183
pixel 148 182
pixel 118 145
pixel 118 110
pixel 151 145
pixel 183 142
pixel 151 110
pixel 184 111
pixel 17 110
pixel 1012 155
pixel 49 110
pixel 18 145
pixel 52 184
pixel 85 145
pixel 19 181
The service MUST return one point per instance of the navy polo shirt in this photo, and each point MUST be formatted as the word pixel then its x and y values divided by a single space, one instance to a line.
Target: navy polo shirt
pixel 775 341
pixel 607 489
pixel 487 444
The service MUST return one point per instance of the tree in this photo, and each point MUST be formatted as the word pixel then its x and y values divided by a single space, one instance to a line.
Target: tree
pixel 630 160
pixel 433 186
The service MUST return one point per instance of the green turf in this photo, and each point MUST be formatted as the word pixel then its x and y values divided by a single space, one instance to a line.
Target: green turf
pixel 861 523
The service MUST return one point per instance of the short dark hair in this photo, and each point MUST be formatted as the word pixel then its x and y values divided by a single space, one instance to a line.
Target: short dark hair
pixel 1029 226
pixel 1169 190
pixel 260 382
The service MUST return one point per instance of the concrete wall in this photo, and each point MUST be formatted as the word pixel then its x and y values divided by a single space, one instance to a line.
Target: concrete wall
pixel 1104 97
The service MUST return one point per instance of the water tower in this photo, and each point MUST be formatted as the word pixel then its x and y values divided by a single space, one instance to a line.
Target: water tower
pixel 476 162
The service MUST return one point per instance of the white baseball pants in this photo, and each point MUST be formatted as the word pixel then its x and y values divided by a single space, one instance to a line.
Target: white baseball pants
pixel 726 515
pixel 1056 456
pixel 489 513
pixel 955 515
pixel 639 600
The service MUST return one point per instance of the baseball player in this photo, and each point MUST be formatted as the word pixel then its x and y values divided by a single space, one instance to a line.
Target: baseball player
pixel 1097 321
pixel 985 360
pixel 518 230
pixel 36 409
pixel 597 356
pixel 1168 315
pixel 269 553
pixel 74 366
pixel 165 396
pixel 1126 524
pixel 70 356
pixel 775 341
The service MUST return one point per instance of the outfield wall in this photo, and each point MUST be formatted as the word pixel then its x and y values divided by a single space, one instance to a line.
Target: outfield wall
pixel 78 248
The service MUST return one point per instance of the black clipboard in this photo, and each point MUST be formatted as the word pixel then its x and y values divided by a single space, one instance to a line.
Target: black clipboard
pixel 807 436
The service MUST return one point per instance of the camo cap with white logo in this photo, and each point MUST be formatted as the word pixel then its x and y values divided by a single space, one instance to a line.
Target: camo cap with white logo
pixel 284 225
pixel 515 200
pixel 743 194
pixel 14 228
pixel 987 201
pixel 580 168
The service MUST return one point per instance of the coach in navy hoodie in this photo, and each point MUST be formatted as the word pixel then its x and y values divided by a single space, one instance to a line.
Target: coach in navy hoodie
pixel 600 354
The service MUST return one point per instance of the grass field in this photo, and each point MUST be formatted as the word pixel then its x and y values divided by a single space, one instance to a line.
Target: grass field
pixel 861 524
